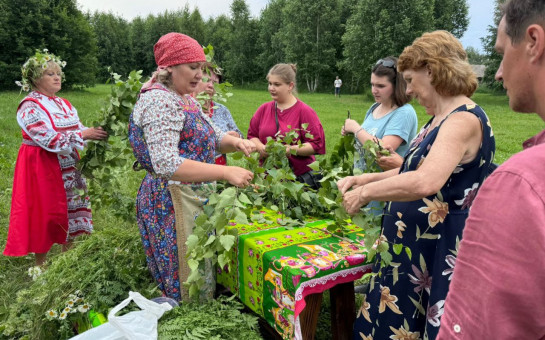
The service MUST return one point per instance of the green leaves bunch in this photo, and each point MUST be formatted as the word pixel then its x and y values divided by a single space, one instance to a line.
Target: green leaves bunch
pixel 216 319
pixel 107 162
pixel 222 90
pixel 274 187
pixel 373 150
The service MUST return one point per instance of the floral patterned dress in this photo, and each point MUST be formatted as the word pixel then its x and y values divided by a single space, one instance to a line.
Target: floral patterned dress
pixel 407 300
pixel 164 131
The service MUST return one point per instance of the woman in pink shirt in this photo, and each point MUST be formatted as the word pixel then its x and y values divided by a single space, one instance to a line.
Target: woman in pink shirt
pixel 284 113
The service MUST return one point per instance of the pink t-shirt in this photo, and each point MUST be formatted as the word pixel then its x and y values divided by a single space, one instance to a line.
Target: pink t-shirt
pixel 263 125
pixel 498 285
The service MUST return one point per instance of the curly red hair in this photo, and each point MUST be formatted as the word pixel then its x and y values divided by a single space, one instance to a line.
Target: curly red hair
pixel 447 60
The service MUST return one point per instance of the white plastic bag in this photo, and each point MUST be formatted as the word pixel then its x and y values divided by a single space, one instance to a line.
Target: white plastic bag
pixel 138 325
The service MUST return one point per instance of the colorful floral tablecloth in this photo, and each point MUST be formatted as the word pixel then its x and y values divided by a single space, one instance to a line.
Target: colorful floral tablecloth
pixel 274 268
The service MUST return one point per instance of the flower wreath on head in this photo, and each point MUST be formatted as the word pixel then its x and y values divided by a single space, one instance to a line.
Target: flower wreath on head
pixel 34 67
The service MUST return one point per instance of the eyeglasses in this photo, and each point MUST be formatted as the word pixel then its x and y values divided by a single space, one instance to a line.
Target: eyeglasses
pixel 386 63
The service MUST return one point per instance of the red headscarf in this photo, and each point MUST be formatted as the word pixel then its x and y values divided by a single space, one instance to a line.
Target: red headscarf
pixel 176 48
pixel 173 49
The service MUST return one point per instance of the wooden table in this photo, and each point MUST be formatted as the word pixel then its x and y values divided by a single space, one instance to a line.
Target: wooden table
pixel 281 274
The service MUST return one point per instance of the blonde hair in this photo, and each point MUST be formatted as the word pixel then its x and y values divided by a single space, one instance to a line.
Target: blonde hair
pixel 286 72
pixel 39 73
pixel 446 58
pixel 164 77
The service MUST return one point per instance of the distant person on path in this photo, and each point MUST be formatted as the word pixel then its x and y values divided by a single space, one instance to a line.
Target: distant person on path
pixel 175 142
pixel 338 83
pixel 287 112
pixel 391 120
pixel 46 205
pixel 497 290
pixel 220 115
pixel 429 197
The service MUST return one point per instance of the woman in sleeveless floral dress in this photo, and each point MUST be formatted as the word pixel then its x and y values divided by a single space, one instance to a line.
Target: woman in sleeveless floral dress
pixel 429 197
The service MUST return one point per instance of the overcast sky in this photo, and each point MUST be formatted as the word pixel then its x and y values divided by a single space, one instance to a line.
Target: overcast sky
pixel 481 12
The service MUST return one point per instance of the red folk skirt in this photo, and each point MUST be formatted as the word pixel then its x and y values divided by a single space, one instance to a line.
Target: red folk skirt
pixel 39 210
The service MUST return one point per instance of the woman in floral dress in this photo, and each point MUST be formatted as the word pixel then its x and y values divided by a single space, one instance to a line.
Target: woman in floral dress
pixel 175 142
pixel 429 197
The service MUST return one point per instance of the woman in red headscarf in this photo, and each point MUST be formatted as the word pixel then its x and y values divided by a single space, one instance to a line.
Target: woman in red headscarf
pixel 175 142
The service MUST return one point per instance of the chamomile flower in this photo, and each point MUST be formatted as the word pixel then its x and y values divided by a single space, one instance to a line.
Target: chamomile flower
pixel 62 316
pixel 51 314
pixel 84 308
pixel 70 303
pixel 34 272
pixel 67 310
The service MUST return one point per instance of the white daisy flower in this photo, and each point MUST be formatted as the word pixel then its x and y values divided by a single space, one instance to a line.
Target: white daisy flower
pixel 52 314
pixel 84 308
pixel 62 316
pixel 35 271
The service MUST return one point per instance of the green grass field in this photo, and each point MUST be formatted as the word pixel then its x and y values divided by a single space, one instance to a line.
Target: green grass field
pixel 510 129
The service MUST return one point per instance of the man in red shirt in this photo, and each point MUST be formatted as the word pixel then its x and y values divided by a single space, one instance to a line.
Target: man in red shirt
pixel 498 285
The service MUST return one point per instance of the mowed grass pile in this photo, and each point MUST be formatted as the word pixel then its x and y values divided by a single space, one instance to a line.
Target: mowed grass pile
pixel 510 129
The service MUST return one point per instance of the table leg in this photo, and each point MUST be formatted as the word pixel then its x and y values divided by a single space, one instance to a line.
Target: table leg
pixel 309 315
pixel 343 310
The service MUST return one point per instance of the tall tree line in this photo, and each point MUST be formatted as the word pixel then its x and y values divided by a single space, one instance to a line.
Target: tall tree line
pixel 324 38
pixel 493 59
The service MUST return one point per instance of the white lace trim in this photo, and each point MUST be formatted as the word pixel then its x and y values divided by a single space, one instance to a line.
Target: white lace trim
pixel 319 282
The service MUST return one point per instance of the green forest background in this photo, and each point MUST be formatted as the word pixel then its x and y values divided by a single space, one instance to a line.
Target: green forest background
pixel 325 38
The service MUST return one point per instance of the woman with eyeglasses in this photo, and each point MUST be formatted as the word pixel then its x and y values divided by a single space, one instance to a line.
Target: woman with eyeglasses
pixel 286 112
pixel 218 113
pixel 390 121
pixel 429 197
